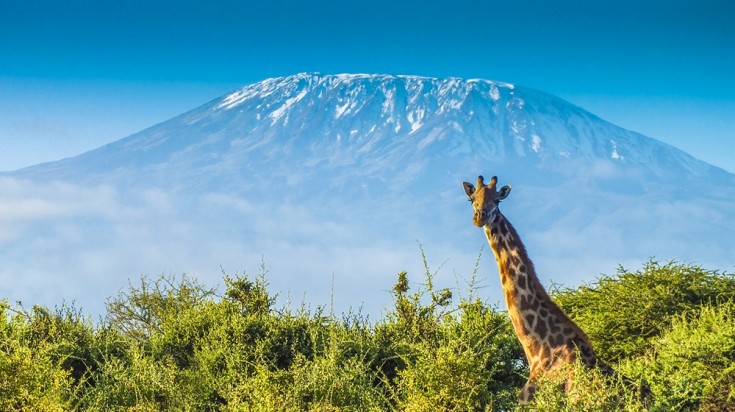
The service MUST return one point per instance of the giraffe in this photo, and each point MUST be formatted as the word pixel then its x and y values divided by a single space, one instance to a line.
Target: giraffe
pixel 550 339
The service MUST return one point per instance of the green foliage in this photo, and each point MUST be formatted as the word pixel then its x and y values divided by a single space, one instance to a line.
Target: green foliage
pixel 140 311
pixel 692 365
pixel 591 391
pixel 669 325
pixel 30 375
pixel 172 344
pixel 622 314
pixel 473 363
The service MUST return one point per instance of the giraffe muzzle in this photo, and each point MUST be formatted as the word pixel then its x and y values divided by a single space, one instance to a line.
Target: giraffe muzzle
pixel 479 218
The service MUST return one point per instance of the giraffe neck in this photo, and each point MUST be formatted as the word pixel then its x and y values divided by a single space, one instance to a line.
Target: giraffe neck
pixel 542 328
pixel 517 273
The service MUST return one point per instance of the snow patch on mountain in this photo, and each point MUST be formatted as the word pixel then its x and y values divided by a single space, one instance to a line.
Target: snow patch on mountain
pixel 615 154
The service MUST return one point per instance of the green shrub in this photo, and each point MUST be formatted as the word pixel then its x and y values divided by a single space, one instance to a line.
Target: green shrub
pixel 692 365
pixel 139 312
pixel 172 344
pixel 138 383
pixel 322 384
pixel 622 314
pixel 590 391
pixel 31 378
pixel 452 358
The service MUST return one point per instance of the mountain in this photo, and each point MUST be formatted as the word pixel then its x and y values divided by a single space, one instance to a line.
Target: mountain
pixel 332 180
pixel 348 119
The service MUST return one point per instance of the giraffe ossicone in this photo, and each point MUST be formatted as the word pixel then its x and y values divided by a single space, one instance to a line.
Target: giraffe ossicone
pixel 550 339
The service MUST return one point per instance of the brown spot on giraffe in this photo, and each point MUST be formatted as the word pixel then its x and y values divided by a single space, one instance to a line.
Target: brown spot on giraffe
pixel 550 339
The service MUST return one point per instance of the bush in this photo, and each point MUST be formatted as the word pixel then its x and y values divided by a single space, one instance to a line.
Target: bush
pixel 31 376
pixel 591 391
pixel 172 344
pixel 622 314
pixel 692 365
pixel 453 358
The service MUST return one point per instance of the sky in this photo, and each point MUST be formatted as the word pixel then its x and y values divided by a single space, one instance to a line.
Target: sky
pixel 75 75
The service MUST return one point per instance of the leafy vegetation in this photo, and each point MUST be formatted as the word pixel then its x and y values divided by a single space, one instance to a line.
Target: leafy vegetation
pixel 172 344
pixel 625 313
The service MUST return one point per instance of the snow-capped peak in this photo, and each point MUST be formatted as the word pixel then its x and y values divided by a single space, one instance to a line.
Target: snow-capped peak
pixel 383 118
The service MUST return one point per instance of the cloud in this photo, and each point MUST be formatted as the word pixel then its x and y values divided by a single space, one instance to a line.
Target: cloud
pixel 62 241
pixel 26 200
pixel 67 242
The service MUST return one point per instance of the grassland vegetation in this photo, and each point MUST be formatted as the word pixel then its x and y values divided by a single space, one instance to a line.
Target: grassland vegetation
pixel 172 344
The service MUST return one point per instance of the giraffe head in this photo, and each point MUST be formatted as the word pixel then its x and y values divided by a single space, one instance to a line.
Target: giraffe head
pixel 485 199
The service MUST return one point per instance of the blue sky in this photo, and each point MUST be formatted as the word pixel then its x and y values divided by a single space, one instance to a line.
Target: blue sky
pixel 78 74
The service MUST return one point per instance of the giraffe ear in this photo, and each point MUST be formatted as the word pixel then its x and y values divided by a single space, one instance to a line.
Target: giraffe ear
pixel 504 192
pixel 468 188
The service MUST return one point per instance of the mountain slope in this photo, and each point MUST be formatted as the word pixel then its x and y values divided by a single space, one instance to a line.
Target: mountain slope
pixel 336 120
pixel 342 175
